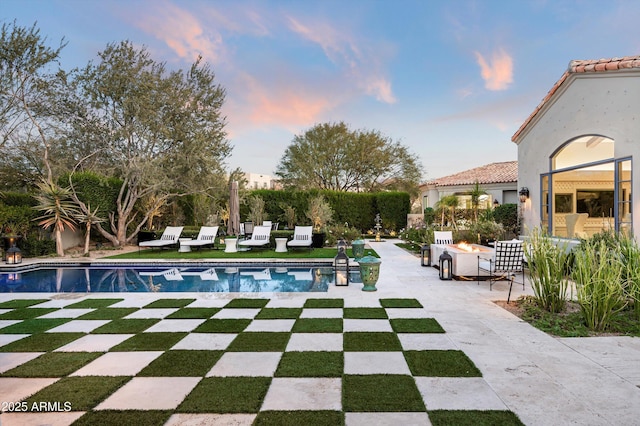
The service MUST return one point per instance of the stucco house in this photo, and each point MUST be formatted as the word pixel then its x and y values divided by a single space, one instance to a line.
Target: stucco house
pixel 576 150
pixel 498 180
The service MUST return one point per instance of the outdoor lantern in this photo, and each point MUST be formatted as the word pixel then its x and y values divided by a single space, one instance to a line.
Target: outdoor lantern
pixel 524 194
pixel 425 255
pixel 496 203
pixel 446 265
pixel 342 246
pixel 341 268
pixel 14 255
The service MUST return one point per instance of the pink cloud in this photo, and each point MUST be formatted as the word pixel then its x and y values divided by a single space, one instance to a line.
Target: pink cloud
pixel 498 74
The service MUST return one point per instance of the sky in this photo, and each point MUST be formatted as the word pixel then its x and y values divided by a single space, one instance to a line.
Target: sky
pixel 451 80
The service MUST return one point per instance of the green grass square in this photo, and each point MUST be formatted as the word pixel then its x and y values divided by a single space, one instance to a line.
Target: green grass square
pixel 182 363
pixel 93 303
pixel 279 313
pixel 226 395
pixel 34 326
pixel 223 326
pixel 318 325
pixel 53 364
pixel 126 326
pixel 170 303
pixel 324 303
pixel 381 393
pixel 400 303
pixel 296 418
pixel 149 342
pixel 435 363
pixel 371 342
pixel 194 313
pixel 83 393
pixel 42 342
pixel 25 313
pixel 259 342
pixel 365 313
pixel 21 303
pixel 247 303
pixel 416 325
pixel 473 418
pixel 107 313
pixel 311 364
pixel 124 417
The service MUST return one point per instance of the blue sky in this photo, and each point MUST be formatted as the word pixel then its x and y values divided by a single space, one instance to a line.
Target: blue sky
pixel 452 80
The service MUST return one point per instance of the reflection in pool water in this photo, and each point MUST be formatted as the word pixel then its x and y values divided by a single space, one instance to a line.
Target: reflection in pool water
pixel 219 279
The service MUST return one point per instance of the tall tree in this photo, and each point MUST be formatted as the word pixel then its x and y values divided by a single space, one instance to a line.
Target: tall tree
pixel 159 131
pixel 29 92
pixel 332 156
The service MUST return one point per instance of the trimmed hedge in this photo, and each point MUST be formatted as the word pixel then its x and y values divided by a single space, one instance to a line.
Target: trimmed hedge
pixel 358 209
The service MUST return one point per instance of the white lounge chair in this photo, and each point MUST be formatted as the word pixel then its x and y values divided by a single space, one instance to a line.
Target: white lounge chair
pixel 169 237
pixel 259 237
pixel 301 237
pixel 443 237
pixel 206 237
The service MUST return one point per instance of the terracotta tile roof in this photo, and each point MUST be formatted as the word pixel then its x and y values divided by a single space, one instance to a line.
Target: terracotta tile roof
pixel 491 173
pixel 585 66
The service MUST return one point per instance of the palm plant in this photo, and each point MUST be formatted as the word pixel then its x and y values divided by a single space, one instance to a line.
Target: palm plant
pixel 449 202
pixel 58 210
pixel 88 217
pixel 475 194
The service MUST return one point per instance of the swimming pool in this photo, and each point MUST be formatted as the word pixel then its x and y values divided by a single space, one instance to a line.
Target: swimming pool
pixel 169 278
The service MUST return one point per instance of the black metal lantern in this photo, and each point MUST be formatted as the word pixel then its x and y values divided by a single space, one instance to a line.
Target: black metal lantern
pixel 425 255
pixel 342 246
pixel 524 194
pixel 446 266
pixel 14 255
pixel 341 268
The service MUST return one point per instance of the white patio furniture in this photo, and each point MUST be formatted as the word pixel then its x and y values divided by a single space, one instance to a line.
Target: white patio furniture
pixel 259 237
pixel 443 237
pixel 206 237
pixel 301 237
pixel 169 237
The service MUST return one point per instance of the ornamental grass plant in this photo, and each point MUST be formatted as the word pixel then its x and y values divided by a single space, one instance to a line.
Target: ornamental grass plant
pixel 599 275
pixel 548 265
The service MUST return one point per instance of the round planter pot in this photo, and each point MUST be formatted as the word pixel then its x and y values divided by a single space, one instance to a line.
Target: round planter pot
pixel 369 272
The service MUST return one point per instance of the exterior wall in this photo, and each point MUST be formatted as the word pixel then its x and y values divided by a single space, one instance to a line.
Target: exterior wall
pixel 503 192
pixel 605 104
pixel 258 181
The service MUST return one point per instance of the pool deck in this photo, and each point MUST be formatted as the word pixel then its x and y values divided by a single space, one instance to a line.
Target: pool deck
pixel 544 380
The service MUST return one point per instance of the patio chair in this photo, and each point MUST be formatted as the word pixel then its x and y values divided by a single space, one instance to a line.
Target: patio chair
pixel 507 261
pixel 259 238
pixel 301 237
pixel 267 223
pixel 169 237
pixel 206 237
pixel 443 237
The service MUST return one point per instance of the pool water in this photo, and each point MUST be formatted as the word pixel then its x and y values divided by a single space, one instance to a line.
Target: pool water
pixel 167 279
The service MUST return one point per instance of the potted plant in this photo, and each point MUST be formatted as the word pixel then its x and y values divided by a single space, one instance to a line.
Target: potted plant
pixel 320 214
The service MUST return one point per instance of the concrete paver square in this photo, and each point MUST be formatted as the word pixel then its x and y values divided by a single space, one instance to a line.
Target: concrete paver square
pixel 375 363
pixel 14 389
pixel 304 394
pixel 426 341
pixel 280 302
pixel 94 343
pixel 211 419
pixel 407 313
pixel 205 341
pixel 5 339
pixel 249 313
pixel 311 342
pixel 78 326
pixel 152 313
pixel 118 364
pixel 271 325
pixel 458 393
pixel 9 360
pixel 150 393
pixel 248 364
pixel 67 313
pixel 174 325
pixel 387 419
pixel 321 313
pixel 366 325
pixel 49 419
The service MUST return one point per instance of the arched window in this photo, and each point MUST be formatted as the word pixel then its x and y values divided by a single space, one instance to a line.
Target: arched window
pixel 587 189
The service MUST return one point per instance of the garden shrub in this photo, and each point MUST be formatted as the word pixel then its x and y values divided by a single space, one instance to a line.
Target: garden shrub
pixel 507 215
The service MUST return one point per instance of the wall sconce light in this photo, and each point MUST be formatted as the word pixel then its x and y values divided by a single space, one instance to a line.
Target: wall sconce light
pixel 524 194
